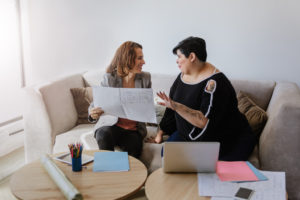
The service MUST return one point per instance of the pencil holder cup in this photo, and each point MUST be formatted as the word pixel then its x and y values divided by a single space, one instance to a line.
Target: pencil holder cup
pixel 76 164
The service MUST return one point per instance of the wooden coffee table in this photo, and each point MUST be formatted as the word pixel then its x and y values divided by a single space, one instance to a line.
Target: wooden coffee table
pixel 164 186
pixel 33 182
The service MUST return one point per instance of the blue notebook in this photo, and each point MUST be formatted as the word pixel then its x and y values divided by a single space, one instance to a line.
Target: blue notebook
pixel 258 174
pixel 111 162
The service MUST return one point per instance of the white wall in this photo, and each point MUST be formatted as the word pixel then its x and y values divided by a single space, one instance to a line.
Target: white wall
pixel 10 63
pixel 246 39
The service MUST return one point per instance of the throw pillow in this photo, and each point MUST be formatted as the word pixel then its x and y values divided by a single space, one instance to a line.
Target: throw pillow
pixel 255 115
pixel 159 111
pixel 82 99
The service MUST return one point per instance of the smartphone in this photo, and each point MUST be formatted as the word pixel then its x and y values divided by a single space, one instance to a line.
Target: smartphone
pixel 243 193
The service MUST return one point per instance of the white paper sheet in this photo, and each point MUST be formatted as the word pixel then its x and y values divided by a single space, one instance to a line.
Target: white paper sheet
pixel 131 103
pixel 222 198
pixel 274 188
pixel 209 184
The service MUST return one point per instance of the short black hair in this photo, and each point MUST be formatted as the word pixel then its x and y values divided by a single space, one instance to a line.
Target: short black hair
pixel 192 44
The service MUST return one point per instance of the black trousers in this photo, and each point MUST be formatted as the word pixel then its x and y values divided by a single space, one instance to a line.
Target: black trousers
pixel 110 136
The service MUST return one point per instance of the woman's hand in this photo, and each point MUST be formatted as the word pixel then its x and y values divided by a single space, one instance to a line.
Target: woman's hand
pixel 157 139
pixel 169 103
pixel 95 113
pixel 195 117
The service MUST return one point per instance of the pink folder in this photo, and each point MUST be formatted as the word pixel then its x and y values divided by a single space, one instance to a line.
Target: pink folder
pixel 235 171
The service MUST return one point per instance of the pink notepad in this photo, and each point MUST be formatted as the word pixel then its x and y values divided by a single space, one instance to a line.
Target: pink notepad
pixel 235 171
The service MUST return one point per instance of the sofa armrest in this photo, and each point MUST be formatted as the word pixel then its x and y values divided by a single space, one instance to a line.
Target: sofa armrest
pixel 37 126
pixel 50 111
pixel 280 140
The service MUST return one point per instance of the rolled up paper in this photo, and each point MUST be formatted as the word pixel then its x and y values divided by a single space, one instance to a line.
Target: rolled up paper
pixel 67 188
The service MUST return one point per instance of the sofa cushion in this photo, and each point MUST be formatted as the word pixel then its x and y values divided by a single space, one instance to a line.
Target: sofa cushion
pixel 59 102
pixel 88 141
pixel 259 91
pixel 159 110
pixel 93 77
pixel 256 116
pixel 253 158
pixel 151 156
pixel 82 98
pixel 71 136
pixel 162 82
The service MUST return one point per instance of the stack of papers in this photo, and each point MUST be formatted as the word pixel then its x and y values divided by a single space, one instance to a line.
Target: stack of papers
pixel 238 171
pixel 111 162
pixel 231 176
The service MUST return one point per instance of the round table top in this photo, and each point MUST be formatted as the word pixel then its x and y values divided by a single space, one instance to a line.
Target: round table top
pixel 33 182
pixel 164 186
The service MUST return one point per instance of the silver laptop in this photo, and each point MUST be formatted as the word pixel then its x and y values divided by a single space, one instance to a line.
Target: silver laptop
pixel 190 156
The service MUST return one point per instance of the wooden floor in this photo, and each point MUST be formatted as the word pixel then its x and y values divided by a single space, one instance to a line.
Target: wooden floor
pixel 5 192
pixel 9 164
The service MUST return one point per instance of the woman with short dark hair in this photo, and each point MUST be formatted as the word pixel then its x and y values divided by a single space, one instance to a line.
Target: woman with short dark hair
pixel 124 71
pixel 202 105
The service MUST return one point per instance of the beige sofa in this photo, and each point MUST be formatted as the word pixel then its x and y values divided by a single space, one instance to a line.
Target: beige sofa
pixel 50 122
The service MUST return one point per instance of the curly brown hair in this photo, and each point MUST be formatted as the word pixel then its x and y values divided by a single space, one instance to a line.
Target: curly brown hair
pixel 124 59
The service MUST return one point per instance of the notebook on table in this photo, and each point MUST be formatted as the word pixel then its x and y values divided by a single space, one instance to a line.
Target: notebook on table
pixel 190 156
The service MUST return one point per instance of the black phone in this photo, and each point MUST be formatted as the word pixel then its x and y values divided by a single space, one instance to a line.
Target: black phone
pixel 243 193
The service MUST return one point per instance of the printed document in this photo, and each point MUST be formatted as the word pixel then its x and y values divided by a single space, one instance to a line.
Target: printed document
pixel 274 188
pixel 130 103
